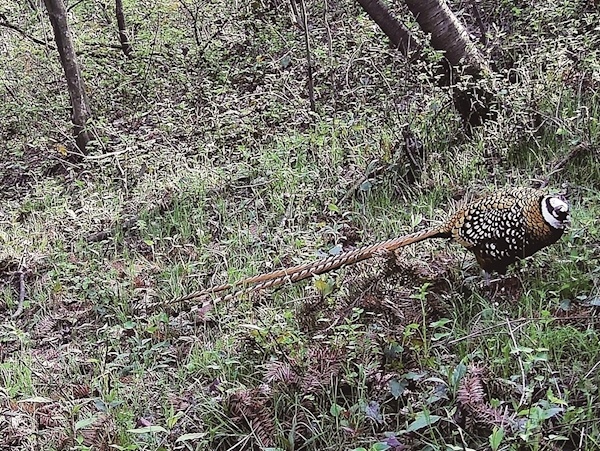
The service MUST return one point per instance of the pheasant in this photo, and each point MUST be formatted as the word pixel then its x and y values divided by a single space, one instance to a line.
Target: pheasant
pixel 499 228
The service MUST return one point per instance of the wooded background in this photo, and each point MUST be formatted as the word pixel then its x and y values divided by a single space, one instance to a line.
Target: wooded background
pixel 152 148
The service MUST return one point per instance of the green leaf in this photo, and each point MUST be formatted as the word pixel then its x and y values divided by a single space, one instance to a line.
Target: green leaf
pixel 440 323
pixel 437 336
pixel 561 131
pixel 100 405
pixel 366 186
pixel 335 410
pixel 191 436
pixel 147 430
pixel 285 61
pixel 424 419
pixel 82 424
pixel 411 375
pixel 172 421
pixel 380 446
pixel 397 387
pixel 496 438
pixel 549 413
pixel 554 400
pixel 324 287
pixel 458 373
pixel 565 305
pixel 336 250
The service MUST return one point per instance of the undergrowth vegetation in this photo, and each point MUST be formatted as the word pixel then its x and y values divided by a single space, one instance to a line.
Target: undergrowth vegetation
pixel 208 166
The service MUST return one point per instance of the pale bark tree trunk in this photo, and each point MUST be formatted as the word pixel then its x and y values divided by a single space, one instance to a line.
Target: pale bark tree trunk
pixel 79 103
pixel 123 38
pixel 398 34
pixel 448 35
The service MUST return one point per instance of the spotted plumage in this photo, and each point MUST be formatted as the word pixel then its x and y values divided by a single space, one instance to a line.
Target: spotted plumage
pixel 499 229
pixel 507 225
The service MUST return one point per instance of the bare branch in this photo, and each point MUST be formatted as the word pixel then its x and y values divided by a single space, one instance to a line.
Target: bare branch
pixel 6 24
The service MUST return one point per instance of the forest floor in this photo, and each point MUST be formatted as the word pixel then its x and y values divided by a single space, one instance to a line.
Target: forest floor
pixel 212 168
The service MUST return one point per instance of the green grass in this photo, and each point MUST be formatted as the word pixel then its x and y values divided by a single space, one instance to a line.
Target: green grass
pixel 215 170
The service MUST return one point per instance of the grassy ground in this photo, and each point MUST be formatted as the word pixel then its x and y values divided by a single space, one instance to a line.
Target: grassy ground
pixel 209 167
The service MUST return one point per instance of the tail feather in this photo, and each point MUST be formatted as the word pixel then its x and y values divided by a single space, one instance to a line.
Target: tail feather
pixel 301 272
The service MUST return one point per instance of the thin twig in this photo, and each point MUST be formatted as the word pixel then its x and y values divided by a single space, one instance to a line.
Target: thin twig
pixel 102 235
pixel 561 164
pixel 294 13
pixel 356 185
pixel 311 86
pixel 214 35
pixel 589 373
pixel 74 5
pixel 523 377
pixel 480 23
pixel 105 155
pixel 579 148
pixel 487 330
pixel 122 26
pixel 194 16
pixel 21 274
pixel 104 45
pixel 581 438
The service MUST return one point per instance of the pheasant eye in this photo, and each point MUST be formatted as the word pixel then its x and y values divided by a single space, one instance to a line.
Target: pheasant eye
pixel 560 213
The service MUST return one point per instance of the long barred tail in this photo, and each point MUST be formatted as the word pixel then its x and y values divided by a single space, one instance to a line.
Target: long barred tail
pixel 301 272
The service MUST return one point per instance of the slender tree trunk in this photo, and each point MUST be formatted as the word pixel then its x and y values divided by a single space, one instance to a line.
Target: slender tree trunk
pixel 125 45
pixel 79 102
pixel 398 34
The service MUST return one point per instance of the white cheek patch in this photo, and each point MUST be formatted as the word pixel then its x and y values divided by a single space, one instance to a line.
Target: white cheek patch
pixel 557 205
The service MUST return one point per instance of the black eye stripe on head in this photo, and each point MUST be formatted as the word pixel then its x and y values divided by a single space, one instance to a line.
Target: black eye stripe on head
pixel 556 212
pixel 549 207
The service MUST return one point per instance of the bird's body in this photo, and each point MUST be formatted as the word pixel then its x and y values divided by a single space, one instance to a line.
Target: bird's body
pixel 506 226
pixel 499 228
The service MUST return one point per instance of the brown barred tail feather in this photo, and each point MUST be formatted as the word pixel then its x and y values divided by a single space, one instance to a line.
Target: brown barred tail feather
pixel 499 228
pixel 301 272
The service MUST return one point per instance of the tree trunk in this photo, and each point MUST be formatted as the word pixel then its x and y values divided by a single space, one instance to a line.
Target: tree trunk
pixel 79 102
pixel 125 45
pixel 393 29
pixel 447 34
